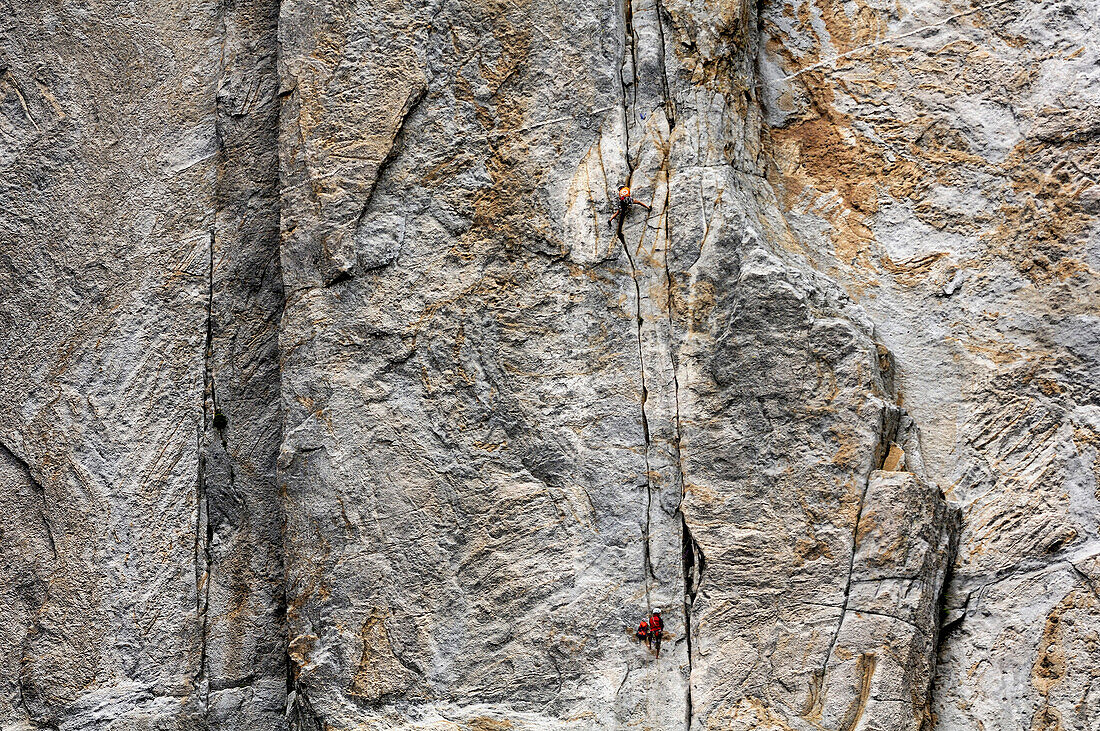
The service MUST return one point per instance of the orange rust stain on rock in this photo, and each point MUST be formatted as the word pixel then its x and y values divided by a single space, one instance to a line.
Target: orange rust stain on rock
pixel 506 212
pixel 849 450
pixel 299 648
pixel 828 166
pixel 1045 221
pixel 701 303
pixel 822 156
pixel 810 550
pixel 849 32
pixel 484 723
pixel 1049 667
pixel 379 673
pixel 912 271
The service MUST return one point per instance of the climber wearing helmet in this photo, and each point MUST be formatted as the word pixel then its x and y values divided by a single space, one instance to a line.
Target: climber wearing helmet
pixel 656 627
pixel 625 201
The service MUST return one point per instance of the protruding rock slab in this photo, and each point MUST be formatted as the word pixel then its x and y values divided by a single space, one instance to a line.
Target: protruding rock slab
pixel 880 668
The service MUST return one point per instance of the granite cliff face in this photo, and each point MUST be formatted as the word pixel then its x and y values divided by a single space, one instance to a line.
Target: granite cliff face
pixel 333 401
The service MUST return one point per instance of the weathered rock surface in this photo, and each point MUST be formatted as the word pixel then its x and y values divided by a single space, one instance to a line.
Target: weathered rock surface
pixel 940 161
pixel 333 401
pixel 141 290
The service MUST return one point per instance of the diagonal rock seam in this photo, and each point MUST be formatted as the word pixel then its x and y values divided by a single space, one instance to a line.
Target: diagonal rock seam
pixel 412 103
pixel 39 488
pixel 819 676
pixel 891 434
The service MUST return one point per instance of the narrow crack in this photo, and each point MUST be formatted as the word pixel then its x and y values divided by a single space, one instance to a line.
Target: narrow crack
pixel 628 17
pixel 202 518
pixel 1086 580
pixel 647 567
pixel 820 674
pixel 301 716
pixel 692 560
pixel 202 556
pixel 670 107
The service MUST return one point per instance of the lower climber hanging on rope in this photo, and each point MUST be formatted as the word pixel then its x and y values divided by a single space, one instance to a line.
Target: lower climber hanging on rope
pixel 626 200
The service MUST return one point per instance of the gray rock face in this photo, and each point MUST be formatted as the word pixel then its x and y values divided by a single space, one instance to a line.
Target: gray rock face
pixel 141 296
pixel 333 400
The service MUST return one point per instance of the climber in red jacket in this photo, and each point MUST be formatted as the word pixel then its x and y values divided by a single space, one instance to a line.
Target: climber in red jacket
pixel 656 627
pixel 625 201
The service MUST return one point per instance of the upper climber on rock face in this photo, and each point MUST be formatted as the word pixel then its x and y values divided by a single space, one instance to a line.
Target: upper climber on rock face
pixel 625 201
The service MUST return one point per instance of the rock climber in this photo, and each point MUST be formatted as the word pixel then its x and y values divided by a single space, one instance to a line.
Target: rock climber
pixel 656 627
pixel 643 631
pixel 625 201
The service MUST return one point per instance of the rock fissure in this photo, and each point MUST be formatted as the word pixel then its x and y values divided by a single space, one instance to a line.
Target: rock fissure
pixel 629 40
pixel 1086 580
pixel 210 414
pixel 692 561
pixel 202 517
pixel 820 674
pixel 670 106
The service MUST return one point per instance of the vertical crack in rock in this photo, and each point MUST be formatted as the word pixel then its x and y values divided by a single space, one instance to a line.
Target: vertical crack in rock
pixel 672 558
pixel 691 556
pixel 670 108
pixel 242 643
pixel 202 519
pixel 300 713
pixel 629 44
pixel 209 407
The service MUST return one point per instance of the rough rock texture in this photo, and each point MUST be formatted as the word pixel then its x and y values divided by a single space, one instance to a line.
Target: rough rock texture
pixel 941 161
pixel 333 401
pixel 142 573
